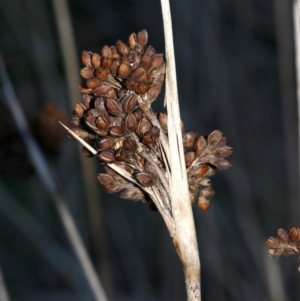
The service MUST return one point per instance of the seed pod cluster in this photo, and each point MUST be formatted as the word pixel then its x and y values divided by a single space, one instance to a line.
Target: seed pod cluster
pixel 286 243
pixel 119 86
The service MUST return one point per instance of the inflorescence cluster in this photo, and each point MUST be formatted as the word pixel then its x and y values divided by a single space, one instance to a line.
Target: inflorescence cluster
pixel 115 117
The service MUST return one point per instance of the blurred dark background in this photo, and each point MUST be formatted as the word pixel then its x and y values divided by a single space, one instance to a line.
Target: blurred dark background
pixel 236 73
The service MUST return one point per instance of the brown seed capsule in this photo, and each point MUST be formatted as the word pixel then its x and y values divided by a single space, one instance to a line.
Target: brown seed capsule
pixel 122 48
pixel 111 171
pixel 143 126
pixel 116 131
pixel 207 192
pixel 99 105
pixel 139 114
pixel 102 89
pixel 130 122
pixel 141 88
pixel 85 102
pixel 93 112
pixel 132 193
pixel 86 58
pixel 129 103
pixel 138 73
pixel 114 53
pixel 101 73
pixel 220 163
pixel 130 145
pixel 96 59
pixel 113 107
pixel 86 73
pixel 115 121
pixel 106 62
pixel 121 155
pixel 107 156
pixel 84 89
pixel 223 151
pixel 189 138
pixel 149 51
pixel 107 143
pixel 78 110
pixel 200 145
pixel 105 179
pixel 91 122
pixel 106 52
pixel 189 158
pixel 200 170
pixel 124 70
pixel 294 234
pixel 114 67
pixel 163 120
pixel 157 60
pixel 153 92
pixel 146 61
pixel 214 139
pixel 142 37
pixel 283 235
pixel 110 93
pixel 145 179
pixel 102 122
pixel 273 243
pixel 132 41
pixel 92 83
pixel 203 204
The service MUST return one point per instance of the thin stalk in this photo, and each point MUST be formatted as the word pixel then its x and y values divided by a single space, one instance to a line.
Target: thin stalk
pixel 44 172
pixel 185 240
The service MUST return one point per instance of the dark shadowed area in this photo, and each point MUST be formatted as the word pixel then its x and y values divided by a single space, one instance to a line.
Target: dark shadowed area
pixel 236 73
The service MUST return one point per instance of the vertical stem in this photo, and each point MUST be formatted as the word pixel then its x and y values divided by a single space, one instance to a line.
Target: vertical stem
pixel 185 240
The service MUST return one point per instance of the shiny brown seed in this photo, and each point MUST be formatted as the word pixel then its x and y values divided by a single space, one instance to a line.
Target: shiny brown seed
pixel 132 41
pixel 145 179
pixel 116 131
pixel 203 204
pixel 283 235
pixel 110 93
pixel 93 112
pixel 148 139
pixel 146 61
pixel 106 52
pixel 86 58
pixel 101 73
pixel 113 107
pixel 114 52
pixel 91 121
pixel 138 73
pixel 124 70
pixel 189 158
pixel 189 138
pixel 96 60
pixel 141 89
pixel 78 110
pixel 105 179
pixel 107 156
pixel 92 83
pixel 142 37
pixel 214 139
pixel 200 145
pixel 130 122
pixel 129 103
pixel 130 145
pixel 294 234
pixel 107 143
pixel 86 73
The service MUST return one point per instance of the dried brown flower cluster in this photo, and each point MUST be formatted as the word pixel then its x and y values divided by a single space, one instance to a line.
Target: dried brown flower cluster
pixel 115 117
pixel 286 243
